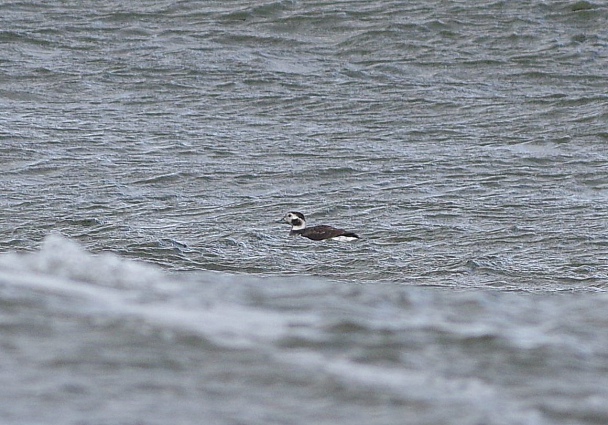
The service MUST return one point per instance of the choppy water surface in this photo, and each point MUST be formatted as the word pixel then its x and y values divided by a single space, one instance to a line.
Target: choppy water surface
pixel 465 142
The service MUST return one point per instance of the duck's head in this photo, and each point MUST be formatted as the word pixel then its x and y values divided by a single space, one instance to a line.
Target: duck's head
pixel 296 219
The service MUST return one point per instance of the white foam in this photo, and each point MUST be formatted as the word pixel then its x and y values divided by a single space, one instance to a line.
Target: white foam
pixel 128 289
pixel 60 257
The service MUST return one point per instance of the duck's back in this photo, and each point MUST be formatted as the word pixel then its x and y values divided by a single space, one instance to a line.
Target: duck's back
pixel 322 232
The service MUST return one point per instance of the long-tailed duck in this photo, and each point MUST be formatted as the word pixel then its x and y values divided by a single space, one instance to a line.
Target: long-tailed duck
pixel 316 233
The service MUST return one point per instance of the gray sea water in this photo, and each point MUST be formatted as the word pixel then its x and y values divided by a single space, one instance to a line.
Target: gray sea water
pixel 148 148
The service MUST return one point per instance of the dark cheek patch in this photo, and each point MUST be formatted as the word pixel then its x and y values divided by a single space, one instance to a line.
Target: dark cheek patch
pixel 296 222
